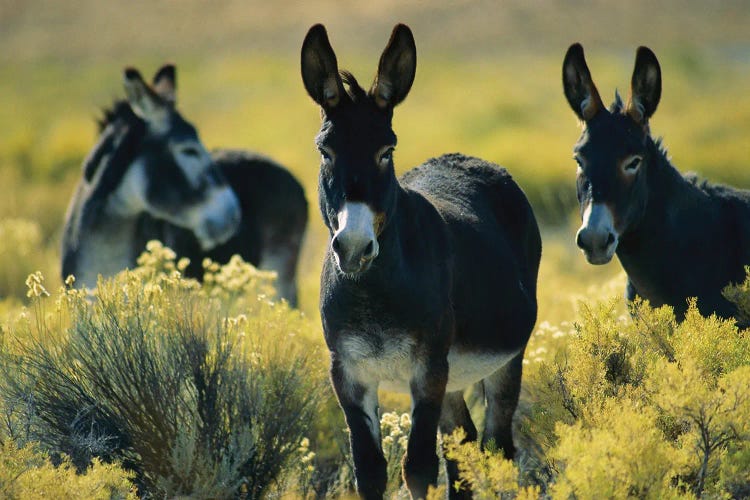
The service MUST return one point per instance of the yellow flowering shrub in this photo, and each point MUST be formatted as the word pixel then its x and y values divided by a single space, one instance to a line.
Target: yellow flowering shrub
pixel 620 454
pixel 645 407
pixel 167 376
pixel 633 406
pixel 486 473
pixel 28 473
pixel 394 429
pixel 739 295
pixel 204 389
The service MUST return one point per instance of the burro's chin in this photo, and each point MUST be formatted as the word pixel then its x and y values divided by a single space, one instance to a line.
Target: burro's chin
pixel 219 220
pixel 600 258
pixel 351 271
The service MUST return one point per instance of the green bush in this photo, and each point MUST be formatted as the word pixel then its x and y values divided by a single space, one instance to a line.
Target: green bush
pixel 155 372
pixel 28 473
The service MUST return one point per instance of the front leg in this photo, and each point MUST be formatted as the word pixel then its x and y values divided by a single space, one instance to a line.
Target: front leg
pixel 360 404
pixel 420 466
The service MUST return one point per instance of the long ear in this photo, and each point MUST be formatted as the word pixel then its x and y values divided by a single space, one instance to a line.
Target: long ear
pixel 143 100
pixel 165 83
pixel 397 68
pixel 645 86
pixel 320 71
pixel 578 86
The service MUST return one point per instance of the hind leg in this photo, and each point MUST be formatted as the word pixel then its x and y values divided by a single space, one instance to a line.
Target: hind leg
pixel 455 414
pixel 501 392
pixel 283 260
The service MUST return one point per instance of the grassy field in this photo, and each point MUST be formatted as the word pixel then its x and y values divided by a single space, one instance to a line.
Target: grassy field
pixel 488 84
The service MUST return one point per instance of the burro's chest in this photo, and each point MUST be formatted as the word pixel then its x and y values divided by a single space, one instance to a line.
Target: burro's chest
pixel 391 358
pixel 375 355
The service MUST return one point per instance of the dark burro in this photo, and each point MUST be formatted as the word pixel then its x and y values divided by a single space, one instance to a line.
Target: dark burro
pixel 429 281
pixel 675 236
pixel 150 177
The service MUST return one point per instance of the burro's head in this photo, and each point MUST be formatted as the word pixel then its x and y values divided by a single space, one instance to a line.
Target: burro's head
pixel 171 175
pixel 613 155
pixel 357 183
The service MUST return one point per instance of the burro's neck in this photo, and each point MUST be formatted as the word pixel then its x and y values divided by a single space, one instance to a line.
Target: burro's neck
pixel 104 243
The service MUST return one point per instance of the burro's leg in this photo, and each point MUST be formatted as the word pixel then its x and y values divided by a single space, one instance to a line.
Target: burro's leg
pixel 420 466
pixel 501 391
pixel 360 404
pixel 455 414
pixel 283 260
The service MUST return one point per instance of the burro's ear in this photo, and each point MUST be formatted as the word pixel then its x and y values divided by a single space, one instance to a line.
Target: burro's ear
pixel 645 86
pixel 143 100
pixel 578 86
pixel 396 69
pixel 165 83
pixel 320 70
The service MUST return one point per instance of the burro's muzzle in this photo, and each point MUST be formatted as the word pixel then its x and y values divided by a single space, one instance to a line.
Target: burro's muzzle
pixel 355 244
pixel 597 236
pixel 218 218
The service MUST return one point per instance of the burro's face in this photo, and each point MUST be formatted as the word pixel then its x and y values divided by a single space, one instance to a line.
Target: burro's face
pixel 610 183
pixel 357 183
pixel 186 188
pixel 173 177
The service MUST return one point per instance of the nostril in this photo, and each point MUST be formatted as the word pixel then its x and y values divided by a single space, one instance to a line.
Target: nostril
pixel 610 239
pixel 336 245
pixel 368 250
pixel 579 240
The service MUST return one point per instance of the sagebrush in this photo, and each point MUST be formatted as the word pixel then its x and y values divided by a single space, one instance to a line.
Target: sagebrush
pixel 156 372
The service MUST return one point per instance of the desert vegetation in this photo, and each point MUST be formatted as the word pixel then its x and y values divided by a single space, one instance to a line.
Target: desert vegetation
pixel 160 386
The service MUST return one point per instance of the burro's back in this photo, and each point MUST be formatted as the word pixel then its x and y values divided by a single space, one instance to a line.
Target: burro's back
pixel 428 282
pixel 495 242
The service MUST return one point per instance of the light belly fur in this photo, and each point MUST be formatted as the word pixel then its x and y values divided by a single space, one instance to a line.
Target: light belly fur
pixel 392 362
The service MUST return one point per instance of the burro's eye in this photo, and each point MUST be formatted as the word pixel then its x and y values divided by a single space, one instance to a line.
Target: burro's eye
pixel 584 183
pixel 190 151
pixel 385 156
pixel 326 155
pixel 631 164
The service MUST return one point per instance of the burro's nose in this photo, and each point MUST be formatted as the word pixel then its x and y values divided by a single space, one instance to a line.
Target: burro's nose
pixel 355 244
pixel 597 236
pixel 220 217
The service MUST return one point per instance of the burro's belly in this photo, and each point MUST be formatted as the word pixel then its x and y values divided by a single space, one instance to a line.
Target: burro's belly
pixel 392 361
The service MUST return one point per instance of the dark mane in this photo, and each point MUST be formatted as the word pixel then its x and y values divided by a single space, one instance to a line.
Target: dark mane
pixel 121 142
pixel 120 110
pixel 661 148
pixel 617 106
pixel 355 91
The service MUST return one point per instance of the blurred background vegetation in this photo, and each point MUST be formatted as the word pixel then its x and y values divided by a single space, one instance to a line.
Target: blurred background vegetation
pixel 488 84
